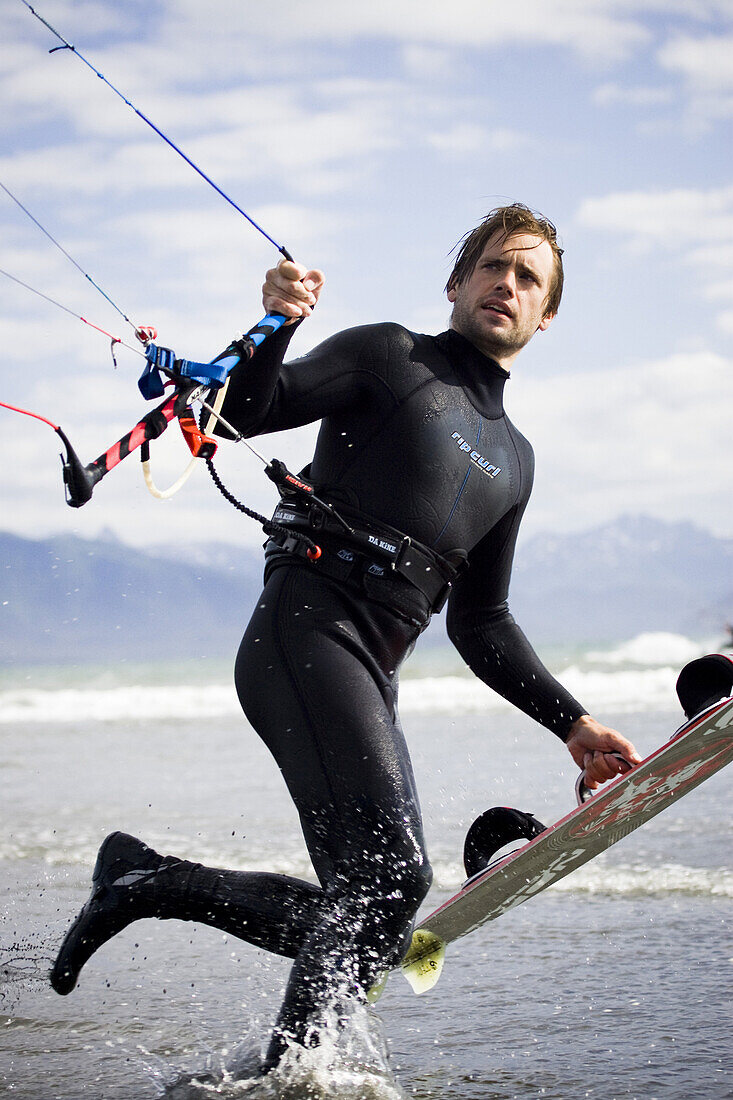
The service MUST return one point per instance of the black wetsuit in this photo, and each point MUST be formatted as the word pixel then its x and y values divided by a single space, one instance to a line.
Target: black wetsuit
pixel 413 436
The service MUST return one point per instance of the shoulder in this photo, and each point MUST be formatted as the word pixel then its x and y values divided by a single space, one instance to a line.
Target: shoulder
pixel 386 349
pixel 385 335
pixel 385 330
pixel 375 340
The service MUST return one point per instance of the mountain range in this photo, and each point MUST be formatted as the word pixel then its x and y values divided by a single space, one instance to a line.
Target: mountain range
pixel 630 576
pixel 66 599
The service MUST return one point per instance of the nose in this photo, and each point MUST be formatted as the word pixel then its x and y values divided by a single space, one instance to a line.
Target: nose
pixel 506 282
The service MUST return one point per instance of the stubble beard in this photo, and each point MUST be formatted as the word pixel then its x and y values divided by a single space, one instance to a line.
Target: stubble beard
pixel 497 344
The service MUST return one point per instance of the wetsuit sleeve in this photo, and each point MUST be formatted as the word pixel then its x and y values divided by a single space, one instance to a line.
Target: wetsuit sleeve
pixel 484 632
pixel 267 395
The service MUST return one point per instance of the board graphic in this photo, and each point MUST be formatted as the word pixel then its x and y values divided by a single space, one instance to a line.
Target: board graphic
pixel 695 752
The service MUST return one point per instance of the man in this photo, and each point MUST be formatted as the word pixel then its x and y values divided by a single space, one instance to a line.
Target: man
pixel 414 442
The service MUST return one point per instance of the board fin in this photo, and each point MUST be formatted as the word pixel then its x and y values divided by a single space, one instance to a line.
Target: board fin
pixel 377 989
pixel 423 963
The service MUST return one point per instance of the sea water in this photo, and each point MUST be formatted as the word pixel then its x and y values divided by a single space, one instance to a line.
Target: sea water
pixel 614 983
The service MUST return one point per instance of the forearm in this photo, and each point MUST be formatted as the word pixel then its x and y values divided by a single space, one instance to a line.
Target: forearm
pixel 253 382
pixel 498 652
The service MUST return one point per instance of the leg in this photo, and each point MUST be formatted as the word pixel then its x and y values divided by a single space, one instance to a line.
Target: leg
pixel 316 676
pixel 343 756
pixel 131 881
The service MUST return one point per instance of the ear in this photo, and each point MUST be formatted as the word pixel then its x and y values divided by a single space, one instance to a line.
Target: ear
pixel 545 322
pixel 451 294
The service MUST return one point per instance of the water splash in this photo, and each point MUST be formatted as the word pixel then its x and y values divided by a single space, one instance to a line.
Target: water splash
pixel 350 1063
pixel 24 965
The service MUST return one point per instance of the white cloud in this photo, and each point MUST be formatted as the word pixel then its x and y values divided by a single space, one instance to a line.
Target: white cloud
pixel 644 437
pixel 721 289
pixel 678 217
pixel 593 29
pixel 704 64
pixel 693 226
pixel 467 139
pixel 241 134
pixel 725 322
pixel 427 62
pixel 610 94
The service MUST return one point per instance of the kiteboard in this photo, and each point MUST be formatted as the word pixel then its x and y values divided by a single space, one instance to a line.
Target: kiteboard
pixel 701 747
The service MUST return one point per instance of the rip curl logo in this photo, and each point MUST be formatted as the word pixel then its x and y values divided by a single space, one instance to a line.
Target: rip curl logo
pixel 476 457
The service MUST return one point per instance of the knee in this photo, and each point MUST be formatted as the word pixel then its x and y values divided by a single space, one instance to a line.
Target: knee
pixel 392 915
pixel 411 866
pixel 386 890
pixel 403 885
pixel 397 869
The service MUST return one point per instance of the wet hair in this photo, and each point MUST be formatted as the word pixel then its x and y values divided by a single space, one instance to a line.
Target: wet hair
pixel 508 220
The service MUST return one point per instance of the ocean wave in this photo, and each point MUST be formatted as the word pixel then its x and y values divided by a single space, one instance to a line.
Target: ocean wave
pixel 66 849
pixel 118 704
pixel 637 880
pixel 626 690
pixel 637 675
pixel 623 690
pixel 622 880
pixel 650 650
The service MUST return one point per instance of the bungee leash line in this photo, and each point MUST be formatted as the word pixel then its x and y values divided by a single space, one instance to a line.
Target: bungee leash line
pixel 66 45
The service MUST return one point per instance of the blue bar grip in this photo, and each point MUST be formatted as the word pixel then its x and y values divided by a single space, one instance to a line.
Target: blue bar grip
pixel 213 374
pixel 266 327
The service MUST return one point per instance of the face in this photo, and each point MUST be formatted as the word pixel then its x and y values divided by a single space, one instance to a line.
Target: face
pixel 502 303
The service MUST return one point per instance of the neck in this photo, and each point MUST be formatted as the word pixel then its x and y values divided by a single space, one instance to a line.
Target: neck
pixel 501 356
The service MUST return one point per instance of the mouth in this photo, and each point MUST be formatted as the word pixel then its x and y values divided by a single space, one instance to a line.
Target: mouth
pixel 497 308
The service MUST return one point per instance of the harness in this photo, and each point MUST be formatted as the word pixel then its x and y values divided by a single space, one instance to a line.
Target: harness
pixel 351 548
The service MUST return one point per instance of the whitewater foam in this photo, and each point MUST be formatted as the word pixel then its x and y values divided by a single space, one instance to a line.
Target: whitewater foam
pixel 118 704
pixel 60 848
pixel 637 675
pixel 638 880
pixel 650 650
pixel 624 691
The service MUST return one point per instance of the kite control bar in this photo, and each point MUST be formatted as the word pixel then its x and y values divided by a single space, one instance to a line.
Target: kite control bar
pixel 79 480
pixel 191 380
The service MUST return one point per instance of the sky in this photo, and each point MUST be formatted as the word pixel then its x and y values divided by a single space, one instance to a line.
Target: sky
pixel 368 138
